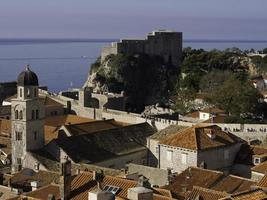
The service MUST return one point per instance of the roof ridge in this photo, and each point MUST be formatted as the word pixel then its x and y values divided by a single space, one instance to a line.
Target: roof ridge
pixel 109 176
pixel 211 170
pixel 243 178
pixel 210 190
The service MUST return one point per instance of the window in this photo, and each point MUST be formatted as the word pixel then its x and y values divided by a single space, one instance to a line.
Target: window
pixel 112 189
pixel 35 135
pixel 169 155
pixel 20 115
pixel 184 158
pixel 16 114
pixel 257 160
pixel 35 92
pixel 18 135
pixel 33 114
pixel 28 93
pixel 226 154
pixel 19 161
pixel 20 92
pixel 37 114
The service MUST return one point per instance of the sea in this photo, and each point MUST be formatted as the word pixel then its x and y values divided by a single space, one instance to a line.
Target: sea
pixel 63 64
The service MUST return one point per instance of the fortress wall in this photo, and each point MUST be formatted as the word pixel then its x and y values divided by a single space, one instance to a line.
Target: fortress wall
pixel 108 50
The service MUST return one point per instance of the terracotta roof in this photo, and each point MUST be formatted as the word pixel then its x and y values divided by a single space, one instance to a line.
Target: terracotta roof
pixel 42 193
pixel 197 138
pixel 216 119
pixel 263 182
pixel 256 194
pixel 162 134
pixel 193 114
pixel 83 183
pixel 98 146
pixel 205 194
pixel 93 126
pixel 198 177
pixel 5 145
pixel 60 120
pixel 258 150
pixel 5 127
pixel 213 110
pixel 162 192
pixel 261 168
pixel 24 178
pixel 233 184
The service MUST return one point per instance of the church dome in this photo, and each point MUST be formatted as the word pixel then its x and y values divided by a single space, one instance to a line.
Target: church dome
pixel 27 78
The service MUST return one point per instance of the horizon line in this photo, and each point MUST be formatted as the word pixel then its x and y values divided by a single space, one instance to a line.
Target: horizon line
pixel 116 39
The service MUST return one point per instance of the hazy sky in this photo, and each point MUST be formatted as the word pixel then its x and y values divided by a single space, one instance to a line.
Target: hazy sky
pixel 198 19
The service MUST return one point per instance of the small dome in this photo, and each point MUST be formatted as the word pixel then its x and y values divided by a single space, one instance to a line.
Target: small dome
pixel 27 78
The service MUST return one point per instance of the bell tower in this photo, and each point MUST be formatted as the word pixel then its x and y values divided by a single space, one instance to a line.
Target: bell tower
pixel 27 116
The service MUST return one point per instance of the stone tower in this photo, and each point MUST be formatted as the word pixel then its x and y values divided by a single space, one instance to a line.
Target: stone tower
pixel 27 115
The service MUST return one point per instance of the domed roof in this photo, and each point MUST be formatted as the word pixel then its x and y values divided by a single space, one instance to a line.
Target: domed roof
pixel 27 78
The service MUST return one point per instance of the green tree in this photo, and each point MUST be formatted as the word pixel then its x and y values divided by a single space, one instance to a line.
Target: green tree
pixel 237 97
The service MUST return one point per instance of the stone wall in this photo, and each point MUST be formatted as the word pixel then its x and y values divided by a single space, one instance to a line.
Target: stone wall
pixel 167 44
pixel 216 158
pixel 156 176
pixel 175 163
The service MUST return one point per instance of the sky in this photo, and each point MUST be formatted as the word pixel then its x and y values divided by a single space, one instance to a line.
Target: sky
pixel 197 19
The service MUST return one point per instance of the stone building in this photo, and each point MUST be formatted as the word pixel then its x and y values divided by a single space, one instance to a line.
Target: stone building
pixel 27 116
pixel 164 43
pixel 205 146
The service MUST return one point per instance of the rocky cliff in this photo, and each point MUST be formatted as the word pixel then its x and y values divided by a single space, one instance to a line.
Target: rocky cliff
pixel 144 79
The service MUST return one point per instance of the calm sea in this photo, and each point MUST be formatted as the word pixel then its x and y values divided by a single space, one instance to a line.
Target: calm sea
pixel 64 64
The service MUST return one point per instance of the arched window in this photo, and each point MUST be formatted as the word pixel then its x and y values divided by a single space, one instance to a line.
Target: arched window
pixel 20 115
pixel 37 114
pixel 33 114
pixel 16 114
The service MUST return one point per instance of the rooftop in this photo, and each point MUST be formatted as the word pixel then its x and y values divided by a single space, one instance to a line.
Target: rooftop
pixel 167 132
pixel 209 179
pixel 106 144
pixel 260 168
pixel 256 194
pixel 199 138
pixel 205 194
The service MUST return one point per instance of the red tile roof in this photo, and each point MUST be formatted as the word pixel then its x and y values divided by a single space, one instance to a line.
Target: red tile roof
pixel 197 138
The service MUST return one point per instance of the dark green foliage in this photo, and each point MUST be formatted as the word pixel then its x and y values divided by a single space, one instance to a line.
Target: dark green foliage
pixel 260 63
pixel 238 97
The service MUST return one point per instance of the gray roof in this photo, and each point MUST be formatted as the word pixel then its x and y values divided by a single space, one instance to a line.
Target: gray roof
pixel 106 144
pixel 27 78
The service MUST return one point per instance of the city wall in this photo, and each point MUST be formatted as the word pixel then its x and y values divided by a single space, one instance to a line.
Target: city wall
pixel 245 131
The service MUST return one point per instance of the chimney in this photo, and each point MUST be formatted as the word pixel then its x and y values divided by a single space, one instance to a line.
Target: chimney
pixel 140 193
pixel 100 195
pixel 65 179
pixel 35 185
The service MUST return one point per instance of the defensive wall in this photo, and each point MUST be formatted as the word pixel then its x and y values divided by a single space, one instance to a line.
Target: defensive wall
pixel 245 131
pixel 164 43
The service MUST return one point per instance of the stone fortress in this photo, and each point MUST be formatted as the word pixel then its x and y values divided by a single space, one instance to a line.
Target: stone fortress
pixel 164 43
